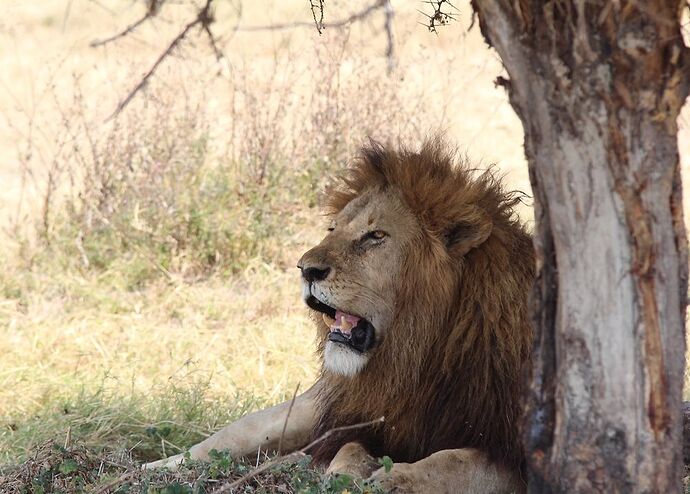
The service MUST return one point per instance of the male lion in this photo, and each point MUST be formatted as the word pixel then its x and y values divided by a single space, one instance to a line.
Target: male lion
pixel 420 295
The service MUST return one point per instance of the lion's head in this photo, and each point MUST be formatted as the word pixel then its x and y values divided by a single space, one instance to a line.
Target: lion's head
pixel 393 250
pixel 351 277
pixel 420 289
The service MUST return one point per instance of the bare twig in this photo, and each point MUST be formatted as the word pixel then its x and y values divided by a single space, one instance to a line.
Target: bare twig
pixel 317 5
pixel 65 17
pixel 220 56
pixel 213 41
pixel 238 14
pixel 123 33
pixel 388 26
pixel 357 16
pixel 100 4
pixel 203 18
pixel 287 417
pixel 439 17
pixel 343 428
pixel 292 456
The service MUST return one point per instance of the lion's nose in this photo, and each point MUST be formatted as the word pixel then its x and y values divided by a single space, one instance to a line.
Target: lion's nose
pixel 313 273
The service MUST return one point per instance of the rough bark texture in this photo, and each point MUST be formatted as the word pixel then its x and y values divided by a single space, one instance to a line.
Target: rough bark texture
pixel 686 432
pixel 598 86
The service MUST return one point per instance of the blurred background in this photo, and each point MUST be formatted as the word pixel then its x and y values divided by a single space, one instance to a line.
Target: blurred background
pixel 148 290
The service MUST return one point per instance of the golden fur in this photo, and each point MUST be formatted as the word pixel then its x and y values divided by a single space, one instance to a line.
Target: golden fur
pixel 448 372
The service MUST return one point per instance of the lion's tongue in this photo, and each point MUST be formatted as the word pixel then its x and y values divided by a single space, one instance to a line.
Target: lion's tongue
pixel 344 322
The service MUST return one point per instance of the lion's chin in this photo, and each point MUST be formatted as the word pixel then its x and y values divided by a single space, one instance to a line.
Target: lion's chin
pixel 341 360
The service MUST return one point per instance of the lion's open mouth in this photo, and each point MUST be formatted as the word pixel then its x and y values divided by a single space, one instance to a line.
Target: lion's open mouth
pixel 354 331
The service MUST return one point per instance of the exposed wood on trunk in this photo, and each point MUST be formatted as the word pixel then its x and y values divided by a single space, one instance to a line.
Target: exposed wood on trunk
pixel 598 87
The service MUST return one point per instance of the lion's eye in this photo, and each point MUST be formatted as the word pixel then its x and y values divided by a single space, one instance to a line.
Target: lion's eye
pixel 374 235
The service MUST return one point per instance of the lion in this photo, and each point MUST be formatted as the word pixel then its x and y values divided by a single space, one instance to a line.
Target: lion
pixel 419 294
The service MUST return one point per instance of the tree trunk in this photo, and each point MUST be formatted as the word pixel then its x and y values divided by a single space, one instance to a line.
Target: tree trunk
pixel 598 86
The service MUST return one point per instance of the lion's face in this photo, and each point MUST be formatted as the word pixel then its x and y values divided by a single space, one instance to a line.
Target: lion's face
pixel 351 277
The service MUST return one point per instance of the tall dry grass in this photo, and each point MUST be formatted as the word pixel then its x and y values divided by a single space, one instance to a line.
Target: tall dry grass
pixel 149 293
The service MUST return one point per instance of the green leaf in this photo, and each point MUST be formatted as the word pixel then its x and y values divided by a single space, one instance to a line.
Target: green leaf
pixel 386 463
pixel 176 488
pixel 68 466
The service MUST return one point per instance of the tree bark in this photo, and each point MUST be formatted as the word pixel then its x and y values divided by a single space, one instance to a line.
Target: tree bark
pixel 686 432
pixel 598 86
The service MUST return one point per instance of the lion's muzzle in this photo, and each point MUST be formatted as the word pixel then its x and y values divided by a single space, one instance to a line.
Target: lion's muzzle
pixel 354 332
pixel 360 337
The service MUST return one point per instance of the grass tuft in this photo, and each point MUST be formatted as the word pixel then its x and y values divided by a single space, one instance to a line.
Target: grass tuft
pixel 149 425
pixel 53 467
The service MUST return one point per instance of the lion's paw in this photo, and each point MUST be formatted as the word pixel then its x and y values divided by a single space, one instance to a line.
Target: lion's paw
pixel 400 479
pixel 353 459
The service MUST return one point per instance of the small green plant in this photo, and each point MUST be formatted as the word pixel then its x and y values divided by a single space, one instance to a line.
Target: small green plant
pixel 55 468
pixel 386 463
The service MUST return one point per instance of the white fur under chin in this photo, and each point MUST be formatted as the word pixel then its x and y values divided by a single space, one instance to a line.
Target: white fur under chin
pixel 341 360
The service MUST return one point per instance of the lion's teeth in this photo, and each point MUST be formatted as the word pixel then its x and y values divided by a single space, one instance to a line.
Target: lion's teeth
pixel 345 324
pixel 328 320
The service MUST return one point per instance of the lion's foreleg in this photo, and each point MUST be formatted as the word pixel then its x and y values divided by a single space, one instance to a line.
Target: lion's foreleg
pixel 465 471
pixel 262 429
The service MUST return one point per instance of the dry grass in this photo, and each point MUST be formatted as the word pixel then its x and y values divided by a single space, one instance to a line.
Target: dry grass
pixel 93 348
pixel 54 467
pixel 147 292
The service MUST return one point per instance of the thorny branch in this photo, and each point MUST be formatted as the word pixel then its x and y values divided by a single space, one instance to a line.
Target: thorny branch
pixel 293 456
pixel 357 16
pixel 440 16
pixel 317 5
pixel 204 19
pixel 388 23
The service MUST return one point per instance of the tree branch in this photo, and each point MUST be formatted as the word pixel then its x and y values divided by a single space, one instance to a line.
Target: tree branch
pixel 203 19
pixel 294 455
pixel 439 17
pixel 357 16
pixel 132 27
pixel 317 5
pixel 388 26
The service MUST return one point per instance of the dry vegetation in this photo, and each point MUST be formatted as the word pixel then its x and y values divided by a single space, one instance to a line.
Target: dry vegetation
pixel 147 289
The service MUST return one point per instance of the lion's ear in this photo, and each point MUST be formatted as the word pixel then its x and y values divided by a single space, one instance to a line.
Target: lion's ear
pixel 466 235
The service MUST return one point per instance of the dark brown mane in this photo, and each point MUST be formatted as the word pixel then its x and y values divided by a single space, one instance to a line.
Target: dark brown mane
pixel 450 378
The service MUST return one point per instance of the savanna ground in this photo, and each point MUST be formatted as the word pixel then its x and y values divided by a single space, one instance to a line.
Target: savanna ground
pixel 148 293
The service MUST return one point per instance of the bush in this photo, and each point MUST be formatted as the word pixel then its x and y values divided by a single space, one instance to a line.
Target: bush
pixel 160 191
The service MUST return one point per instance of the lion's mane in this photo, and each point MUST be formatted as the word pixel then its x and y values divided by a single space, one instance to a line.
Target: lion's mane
pixel 448 372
